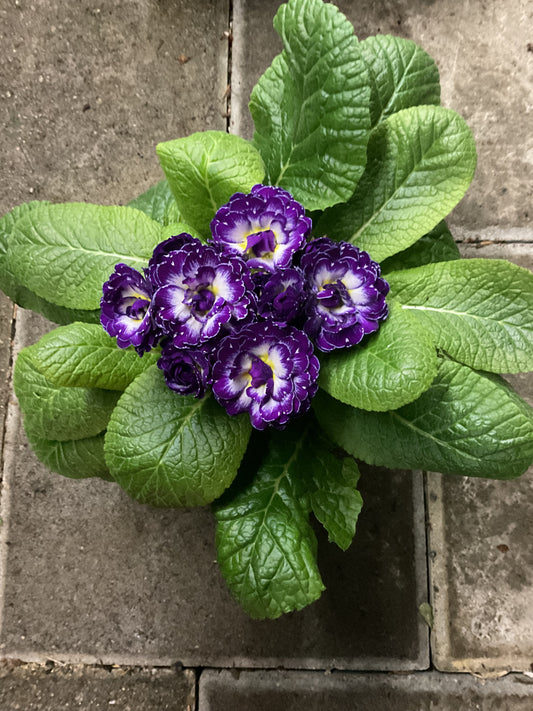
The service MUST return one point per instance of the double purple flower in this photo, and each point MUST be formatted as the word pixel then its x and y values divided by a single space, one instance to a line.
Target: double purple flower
pixel 267 370
pixel 197 291
pixel 346 294
pixel 240 314
pixel 266 227
pixel 126 309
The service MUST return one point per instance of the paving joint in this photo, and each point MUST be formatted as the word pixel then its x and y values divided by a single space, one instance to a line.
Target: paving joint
pixel 229 65
pixel 8 394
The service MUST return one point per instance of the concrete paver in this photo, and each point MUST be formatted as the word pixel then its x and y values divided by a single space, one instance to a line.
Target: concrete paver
pixel 88 89
pixel 481 553
pixel 304 691
pixel 92 576
pixel 483 51
pixel 56 688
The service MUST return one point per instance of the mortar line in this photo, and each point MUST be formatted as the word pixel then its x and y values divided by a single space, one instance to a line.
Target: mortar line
pixel 420 558
pixel 9 389
pixel 197 674
pixel 428 571
pixel 11 426
pixel 229 65
pixel 237 62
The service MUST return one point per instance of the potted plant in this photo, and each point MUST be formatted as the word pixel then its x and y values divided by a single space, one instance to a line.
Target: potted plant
pixel 274 310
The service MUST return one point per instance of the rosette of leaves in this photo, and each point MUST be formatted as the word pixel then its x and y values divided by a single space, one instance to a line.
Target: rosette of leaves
pixel 356 133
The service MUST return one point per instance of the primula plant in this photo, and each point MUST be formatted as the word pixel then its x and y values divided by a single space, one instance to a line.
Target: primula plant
pixel 274 310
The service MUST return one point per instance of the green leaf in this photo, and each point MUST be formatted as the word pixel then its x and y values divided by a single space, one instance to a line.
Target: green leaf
pixel 158 203
pixel 437 246
pixel 401 75
pixel 205 169
pixel 331 478
pixel 477 310
pixel 310 108
pixel 177 228
pixel 420 163
pixel 18 293
pixel 266 547
pixel 83 355
pixel 56 413
pixel 467 423
pixel 76 459
pixel 64 253
pixel 58 314
pixel 170 450
pixel 7 223
pixel 389 369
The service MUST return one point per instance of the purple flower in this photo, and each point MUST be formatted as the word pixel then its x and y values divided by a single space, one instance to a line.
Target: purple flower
pixel 172 244
pixel 186 371
pixel 281 295
pixel 268 371
pixel 198 290
pixel 347 293
pixel 126 309
pixel 265 227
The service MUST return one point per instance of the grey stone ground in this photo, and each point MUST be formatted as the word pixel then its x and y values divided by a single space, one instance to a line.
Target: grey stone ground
pixel 86 90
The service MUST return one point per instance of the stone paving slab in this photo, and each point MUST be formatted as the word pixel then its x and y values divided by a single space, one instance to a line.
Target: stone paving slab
pixel 483 51
pixel 481 553
pixel 91 576
pixel 305 691
pixel 87 90
pixel 61 688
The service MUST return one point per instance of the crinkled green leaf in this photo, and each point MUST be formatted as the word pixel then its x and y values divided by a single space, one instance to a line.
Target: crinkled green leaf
pixel 437 246
pixel 401 75
pixel 467 422
pixel 331 479
pixel 7 223
pixel 57 413
pixel 58 314
pixel 387 370
pixel 18 293
pixel 76 459
pixel 176 228
pixel 478 310
pixel 84 355
pixel 205 169
pixel 310 108
pixel 170 450
pixel 158 203
pixel 64 253
pixel 420 163
pixel 266 547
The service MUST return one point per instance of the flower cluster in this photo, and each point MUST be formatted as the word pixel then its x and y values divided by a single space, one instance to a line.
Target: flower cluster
pixel 244 312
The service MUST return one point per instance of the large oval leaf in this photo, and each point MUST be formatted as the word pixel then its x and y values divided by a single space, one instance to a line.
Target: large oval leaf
pixel 310 108
pixel 391 368
pixel 57 413
pixel 158 203
pixel 75 459
pixel 478 310
pixel 84 355
pixel 420 163
pixel 266 547
pixel 170 450
pixel 467 423
pixel 20 294
pixel 401 75
pixel 64 253
pixel 205 169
